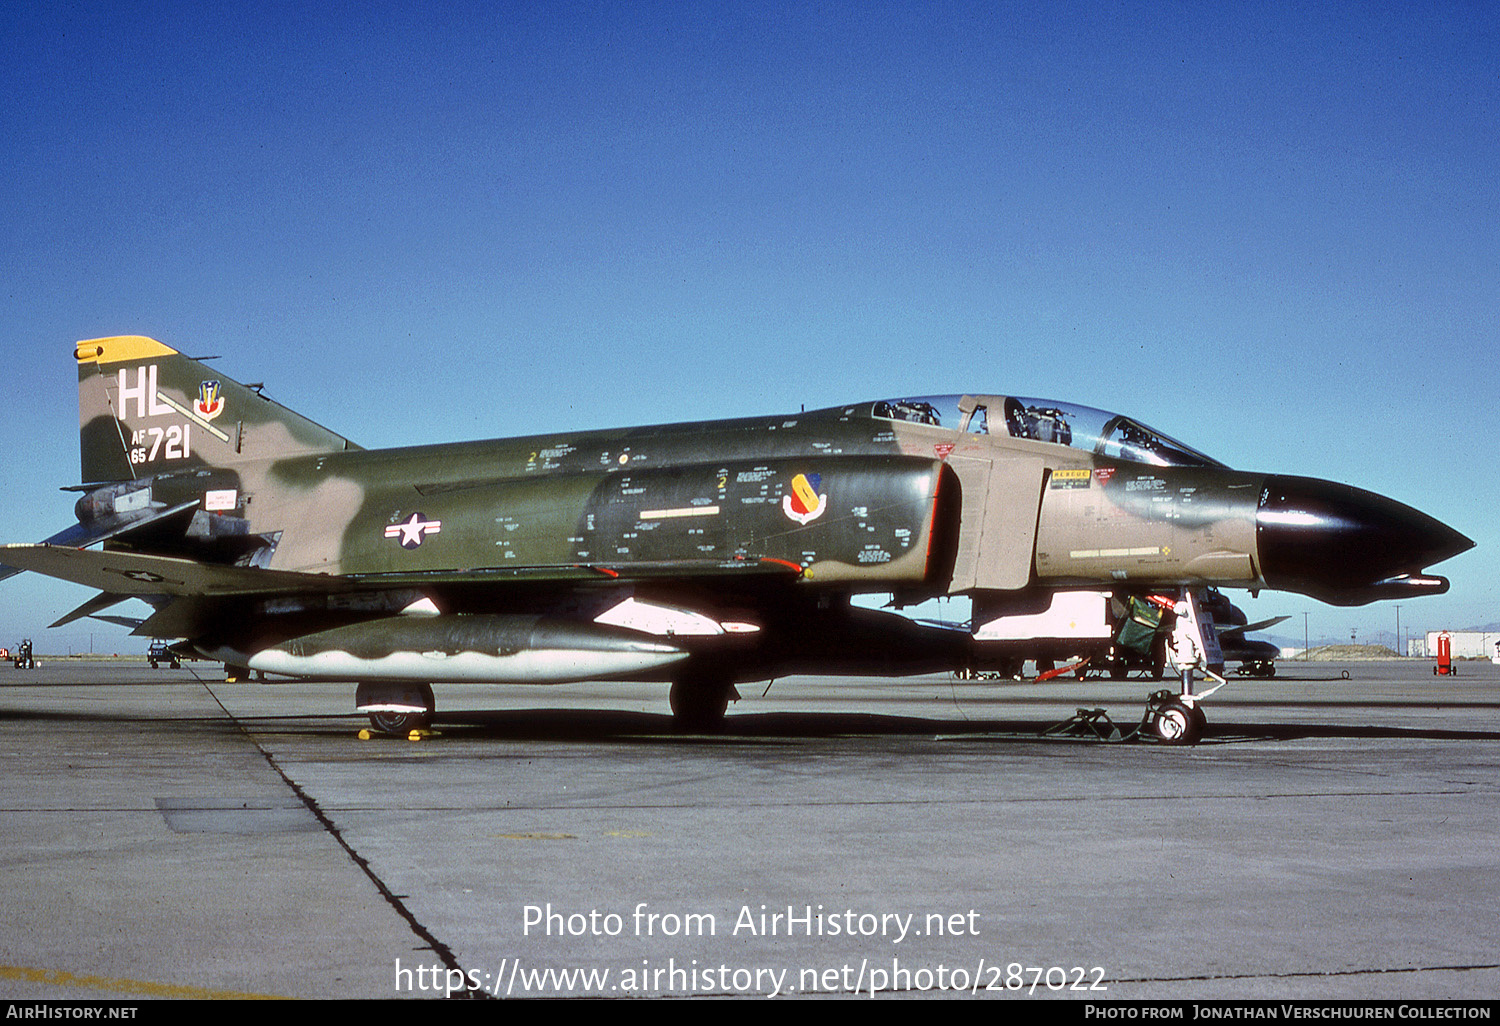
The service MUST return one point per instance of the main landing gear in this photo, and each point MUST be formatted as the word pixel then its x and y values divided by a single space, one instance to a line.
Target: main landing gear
pixel 700 702
pixel 396 708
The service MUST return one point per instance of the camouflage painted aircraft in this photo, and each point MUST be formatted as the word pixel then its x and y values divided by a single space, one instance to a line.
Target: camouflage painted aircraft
pixel 704 554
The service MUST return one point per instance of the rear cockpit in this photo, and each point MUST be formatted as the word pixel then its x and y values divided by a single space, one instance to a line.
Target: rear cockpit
pixel 1044 420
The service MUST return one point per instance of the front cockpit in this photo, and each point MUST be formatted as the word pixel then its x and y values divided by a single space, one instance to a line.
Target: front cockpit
pixel 1044 420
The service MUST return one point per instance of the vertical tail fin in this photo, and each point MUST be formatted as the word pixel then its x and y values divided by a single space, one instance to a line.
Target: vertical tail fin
pixel 144 408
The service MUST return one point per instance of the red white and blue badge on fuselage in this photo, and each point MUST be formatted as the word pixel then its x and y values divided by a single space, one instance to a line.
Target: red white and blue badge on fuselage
pixel 210 401
pixel 804 503
pixel 413 529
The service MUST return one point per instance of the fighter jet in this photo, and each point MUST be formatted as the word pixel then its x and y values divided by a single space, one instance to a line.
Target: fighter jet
pixel 703 554
pixel 1233 627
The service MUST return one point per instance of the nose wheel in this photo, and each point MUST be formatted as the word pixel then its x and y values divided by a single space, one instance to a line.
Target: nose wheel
pixel 1173 719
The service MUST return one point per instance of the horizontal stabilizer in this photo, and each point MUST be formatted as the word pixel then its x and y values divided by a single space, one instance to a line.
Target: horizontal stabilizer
pixel 957 628
pixel 121 621
pixel 103 600
pixel 82 535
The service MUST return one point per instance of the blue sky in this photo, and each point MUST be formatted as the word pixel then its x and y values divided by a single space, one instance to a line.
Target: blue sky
pixel 1267 229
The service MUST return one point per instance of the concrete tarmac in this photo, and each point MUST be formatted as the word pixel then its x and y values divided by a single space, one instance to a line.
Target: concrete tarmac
pixel 167 834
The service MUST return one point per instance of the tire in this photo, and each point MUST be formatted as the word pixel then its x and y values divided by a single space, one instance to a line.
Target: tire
pixel 399 723
pixel 408 707
pixel 1174 723
pixel 700 705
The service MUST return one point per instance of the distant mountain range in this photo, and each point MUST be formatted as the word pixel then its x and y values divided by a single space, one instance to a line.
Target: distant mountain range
pixel 1376 638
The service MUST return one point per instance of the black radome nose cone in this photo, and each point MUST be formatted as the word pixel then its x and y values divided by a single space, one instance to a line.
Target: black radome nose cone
pixel 1345 545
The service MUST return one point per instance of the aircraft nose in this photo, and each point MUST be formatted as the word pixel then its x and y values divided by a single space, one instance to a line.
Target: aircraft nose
pixel 1348 546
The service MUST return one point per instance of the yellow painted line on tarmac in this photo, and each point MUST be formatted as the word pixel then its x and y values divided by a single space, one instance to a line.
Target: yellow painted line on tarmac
pixel 145 988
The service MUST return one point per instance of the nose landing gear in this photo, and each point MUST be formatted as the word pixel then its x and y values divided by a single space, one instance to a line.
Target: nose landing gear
pixel 1173 719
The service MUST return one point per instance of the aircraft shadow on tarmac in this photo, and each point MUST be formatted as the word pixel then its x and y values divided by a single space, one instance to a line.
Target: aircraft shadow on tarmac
pixel 604 726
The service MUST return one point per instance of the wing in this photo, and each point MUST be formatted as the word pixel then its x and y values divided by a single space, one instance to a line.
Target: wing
pixel 138 574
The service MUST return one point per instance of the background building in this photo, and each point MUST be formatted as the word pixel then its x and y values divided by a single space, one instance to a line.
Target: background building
pixel 1465 644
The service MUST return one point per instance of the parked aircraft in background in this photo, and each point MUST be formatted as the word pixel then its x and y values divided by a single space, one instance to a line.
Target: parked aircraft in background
pixel 703 554
pixel 1255 658
pixel 1092 633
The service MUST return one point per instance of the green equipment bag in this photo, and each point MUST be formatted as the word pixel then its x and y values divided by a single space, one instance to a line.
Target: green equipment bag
pixel 1142 621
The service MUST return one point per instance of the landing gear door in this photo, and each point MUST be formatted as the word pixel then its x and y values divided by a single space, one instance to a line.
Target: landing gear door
pixel 1194 636
pixel 1213 653
pixel 1002 498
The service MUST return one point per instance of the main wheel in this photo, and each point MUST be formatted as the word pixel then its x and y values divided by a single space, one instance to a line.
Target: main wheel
pixel 699 704
pixel 395 708
pixel 399 723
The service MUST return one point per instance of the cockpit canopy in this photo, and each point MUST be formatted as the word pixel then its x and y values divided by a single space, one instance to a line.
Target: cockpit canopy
pixel 1045 420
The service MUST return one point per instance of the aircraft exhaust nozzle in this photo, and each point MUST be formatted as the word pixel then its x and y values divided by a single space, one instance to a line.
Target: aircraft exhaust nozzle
pixel 490 649
pixel 1347 546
